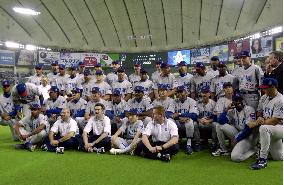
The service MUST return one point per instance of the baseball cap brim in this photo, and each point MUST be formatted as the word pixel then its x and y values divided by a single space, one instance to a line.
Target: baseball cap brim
pixel 24 94
pixel 264 86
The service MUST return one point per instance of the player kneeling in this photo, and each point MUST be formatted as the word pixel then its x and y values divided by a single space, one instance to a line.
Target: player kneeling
pixel 131 131
pixel 164 138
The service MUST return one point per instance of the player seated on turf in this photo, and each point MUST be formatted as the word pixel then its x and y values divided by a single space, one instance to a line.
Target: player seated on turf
pixel 54 104
pixel 8 111
pixel 99 140
pixel 63 134
pixel 77 107
pixel 233 124
pixel 130 132
pixel 270 124
pixel 185 113
pixel 32 128
pixel 159 138
pixel 142 104
pixel 206 119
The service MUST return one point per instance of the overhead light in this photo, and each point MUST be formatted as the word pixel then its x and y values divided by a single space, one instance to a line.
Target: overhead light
pixel 9 44
pixel 26 11
pixel 30 47
pixel 48 49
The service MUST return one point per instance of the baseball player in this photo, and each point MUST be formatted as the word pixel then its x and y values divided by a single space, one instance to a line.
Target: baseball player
pixel 140 103
pixel 77 107
pixel 52 76
pixel 98 67
pixel 90 108
pixel 165 78
pixel 146 83
pixel 24 94
pixel 250 79
pixel 206 119
pixel 185 114
pixel 54 104
pixel 62 79
pixel 118 107
pixel 112 76
pixel 237 71
pixel 224 103
pixel 87 85
pixel 135 77
pixel 184 77
pixel 100 140
pixel 159 138
pixel 32 129
pixel 201 79
pixel 155 75
pixel 44 87
pixel 81 69
pixel 218 81
pixel 165 101
pixel 214 62
pixel 9 113
pixel 36 79
pixel 64 134
pixel 73 81
pixel 130 130
pixel 122 84
pixel 233 124
pixel 104 87
pixel 270 122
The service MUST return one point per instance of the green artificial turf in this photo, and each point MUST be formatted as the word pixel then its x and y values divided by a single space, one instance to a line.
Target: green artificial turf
pixel 23 167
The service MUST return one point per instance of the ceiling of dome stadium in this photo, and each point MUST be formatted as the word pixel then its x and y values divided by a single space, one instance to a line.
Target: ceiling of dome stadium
pixel 135 25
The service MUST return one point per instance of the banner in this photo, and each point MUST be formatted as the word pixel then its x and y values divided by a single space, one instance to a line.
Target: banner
pixel 279 44
pixel 237 47
pixel 261 47
pixel 90 59
pixel 220 51
pixel 175 57
pixel 27 58
pixel 47 57
pixel 70 58
pixel 107 59
pixel 200 55
pixel 7 57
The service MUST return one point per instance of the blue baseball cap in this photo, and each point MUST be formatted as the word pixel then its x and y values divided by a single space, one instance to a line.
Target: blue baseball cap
pixel 222 64
pixel 54 63
pixel 34 106
pixel 237 96
pixel 99 72
pixel 215 58
pixel 76 90
pixel 61 66
pixel 22 89
pixel 98 65
pixel 95 90
pixel 143 71
pixel 182 63
pixel 200 65
pixel 244 53
pixel 6 83
pixel 54 89
pixel 117 92
pixel 268 83
pixel 120 70
pixel 133 112
pixel 158 62
pixel 164 65
pixel 73 67
pixel 137 64
pixel 39 66
pixel 81 63
pixel 227 84
pixel 87 72
pixel 115 62
pixel 163 87
pixel 181 88
pixel 139 89
pixel 205 89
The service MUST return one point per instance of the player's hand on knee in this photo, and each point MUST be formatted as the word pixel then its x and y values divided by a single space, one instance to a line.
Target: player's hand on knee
pixel 54 143
pixel 252 124
pixel 153 149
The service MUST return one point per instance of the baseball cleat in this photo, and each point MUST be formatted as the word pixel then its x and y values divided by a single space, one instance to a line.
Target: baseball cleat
pixel 197 147
pixel 166 157
pixel 99 150
pixel 20 146
pixel 115 151
pixel 59 150
pixel 259 164
pixel 220 152
pixel 30 147
pixel 44 147
pixel 188 150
